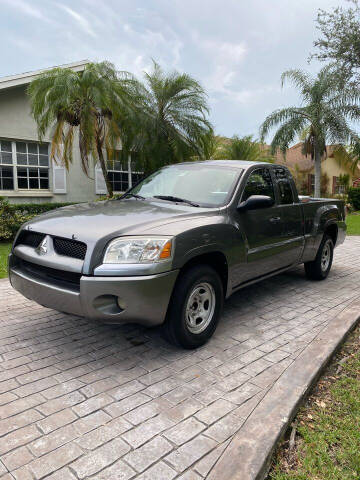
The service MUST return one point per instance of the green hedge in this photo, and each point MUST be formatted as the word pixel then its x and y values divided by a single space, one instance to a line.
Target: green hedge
pixel 12 216
pixel 354 197
pixel 36 208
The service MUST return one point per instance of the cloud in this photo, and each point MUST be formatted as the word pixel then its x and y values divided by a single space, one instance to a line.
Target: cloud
pixel 79 19
pixel 225 58
pixel 255 94
pixel 166 42
pixel 225 51
pixel 25 8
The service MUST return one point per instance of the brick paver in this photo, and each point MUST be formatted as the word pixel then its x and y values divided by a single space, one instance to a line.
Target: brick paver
pixel 79 399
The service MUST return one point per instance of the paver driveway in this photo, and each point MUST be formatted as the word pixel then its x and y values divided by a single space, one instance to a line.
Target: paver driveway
pixel 83 400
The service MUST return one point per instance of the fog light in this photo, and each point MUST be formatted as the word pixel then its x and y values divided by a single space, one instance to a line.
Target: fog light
pixel 121 303
pixel 107 304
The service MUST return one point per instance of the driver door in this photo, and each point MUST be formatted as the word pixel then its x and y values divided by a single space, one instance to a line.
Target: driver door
pixel 261 229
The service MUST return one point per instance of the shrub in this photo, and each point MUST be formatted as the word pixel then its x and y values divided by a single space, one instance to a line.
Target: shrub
pixel 37 208
pixel 106 197
pixel 10 220
pixel 12 216
pixel 354 197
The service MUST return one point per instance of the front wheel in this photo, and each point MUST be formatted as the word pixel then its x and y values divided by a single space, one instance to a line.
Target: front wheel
pixel 319 269
pixel 195 307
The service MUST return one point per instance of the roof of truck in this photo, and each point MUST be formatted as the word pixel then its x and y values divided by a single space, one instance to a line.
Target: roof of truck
pixel 243 164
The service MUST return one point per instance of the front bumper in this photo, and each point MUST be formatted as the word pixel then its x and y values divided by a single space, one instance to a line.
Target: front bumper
pixel 132 299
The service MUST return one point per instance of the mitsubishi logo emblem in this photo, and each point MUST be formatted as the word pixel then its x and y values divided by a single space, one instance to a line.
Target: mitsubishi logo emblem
pixel 43 247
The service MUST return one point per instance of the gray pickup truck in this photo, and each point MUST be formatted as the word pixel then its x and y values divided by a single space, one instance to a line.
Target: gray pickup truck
pixel 175 246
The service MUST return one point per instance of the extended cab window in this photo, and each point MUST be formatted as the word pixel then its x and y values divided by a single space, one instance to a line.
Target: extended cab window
pixel 259 183
pixel 285 190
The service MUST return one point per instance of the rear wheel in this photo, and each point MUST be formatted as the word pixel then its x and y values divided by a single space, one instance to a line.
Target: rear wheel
pixel 319 269
pixel 195 307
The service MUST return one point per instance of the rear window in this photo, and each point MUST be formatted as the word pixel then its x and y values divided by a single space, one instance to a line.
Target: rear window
pixel 286 195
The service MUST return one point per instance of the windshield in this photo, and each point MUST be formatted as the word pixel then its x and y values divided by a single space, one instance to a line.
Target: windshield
pixel 205 185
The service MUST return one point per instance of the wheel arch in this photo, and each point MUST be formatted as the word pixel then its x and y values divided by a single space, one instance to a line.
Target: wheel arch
pixel 332 230
pixel 215 259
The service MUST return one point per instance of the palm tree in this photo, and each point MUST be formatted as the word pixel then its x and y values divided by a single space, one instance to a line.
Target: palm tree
pixel 172 124
pixel 210 145
pixel 325 113
pixel 245 148
pixel 95 103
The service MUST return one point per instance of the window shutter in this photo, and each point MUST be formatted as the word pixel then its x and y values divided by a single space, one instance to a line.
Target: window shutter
pixel 59 176
pixel 100 185
pixel 334 185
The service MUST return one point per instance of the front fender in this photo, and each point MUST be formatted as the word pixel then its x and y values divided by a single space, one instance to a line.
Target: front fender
pixel 217 238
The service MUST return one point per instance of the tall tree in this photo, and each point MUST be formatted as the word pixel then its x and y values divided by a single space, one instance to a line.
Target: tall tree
pixel 325 114
pixel 173 121
pixel 95 104
pixel 210 145
pixel 339 41
pixel 245 148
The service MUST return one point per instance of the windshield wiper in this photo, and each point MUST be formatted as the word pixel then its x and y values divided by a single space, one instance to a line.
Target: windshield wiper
pixel 176 199
pixel 135 195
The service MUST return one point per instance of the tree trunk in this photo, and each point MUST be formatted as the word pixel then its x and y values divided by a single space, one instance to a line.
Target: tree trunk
pixel 104 171
pixel 317 193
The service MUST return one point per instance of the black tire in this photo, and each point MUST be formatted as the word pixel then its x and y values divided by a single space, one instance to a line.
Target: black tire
pixel 319 269
pixel 199 282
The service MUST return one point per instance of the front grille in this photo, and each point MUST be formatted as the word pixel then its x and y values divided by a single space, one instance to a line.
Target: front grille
pixel 69 248
pixel 49 274
pixel 62 246
pixel 32 239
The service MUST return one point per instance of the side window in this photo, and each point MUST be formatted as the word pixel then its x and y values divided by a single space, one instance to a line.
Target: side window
pixel 285 190
pixel 259 183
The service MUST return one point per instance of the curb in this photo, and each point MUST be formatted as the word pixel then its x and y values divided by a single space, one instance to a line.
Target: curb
pixel 249 454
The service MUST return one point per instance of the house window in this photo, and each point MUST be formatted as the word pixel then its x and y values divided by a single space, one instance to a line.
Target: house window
pixel 338 188
pixel 311 184
pixel 32 161
pixel 24 166
pixel 6 166
pixel 121 172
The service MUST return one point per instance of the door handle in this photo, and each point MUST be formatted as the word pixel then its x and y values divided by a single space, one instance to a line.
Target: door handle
pixel 275 219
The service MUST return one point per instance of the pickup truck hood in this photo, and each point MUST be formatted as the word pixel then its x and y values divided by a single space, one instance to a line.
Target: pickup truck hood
pixel 93 221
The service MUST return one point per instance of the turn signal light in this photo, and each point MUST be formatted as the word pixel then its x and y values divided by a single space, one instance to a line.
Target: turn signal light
pixel 166 251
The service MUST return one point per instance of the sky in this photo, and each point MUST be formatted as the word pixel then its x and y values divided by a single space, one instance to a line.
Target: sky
pixel 237 49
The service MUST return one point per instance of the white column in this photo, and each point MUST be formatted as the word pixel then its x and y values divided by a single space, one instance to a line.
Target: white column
pixel 129 171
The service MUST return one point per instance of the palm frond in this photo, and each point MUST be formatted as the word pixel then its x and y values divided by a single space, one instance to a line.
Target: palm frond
pixel 279 116
pixel 299 79
pixel 287 133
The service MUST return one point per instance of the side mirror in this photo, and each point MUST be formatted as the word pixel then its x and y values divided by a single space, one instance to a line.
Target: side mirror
pixel 255 202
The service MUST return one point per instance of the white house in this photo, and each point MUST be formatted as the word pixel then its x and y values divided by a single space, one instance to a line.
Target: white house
pixel 27 175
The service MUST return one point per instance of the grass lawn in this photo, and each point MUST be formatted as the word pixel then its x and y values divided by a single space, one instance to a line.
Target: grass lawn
pixel 327 441
pixel 4 252
pixel 353 224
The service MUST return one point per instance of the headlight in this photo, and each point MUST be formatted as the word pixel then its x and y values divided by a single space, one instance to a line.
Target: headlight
pixel 138 250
